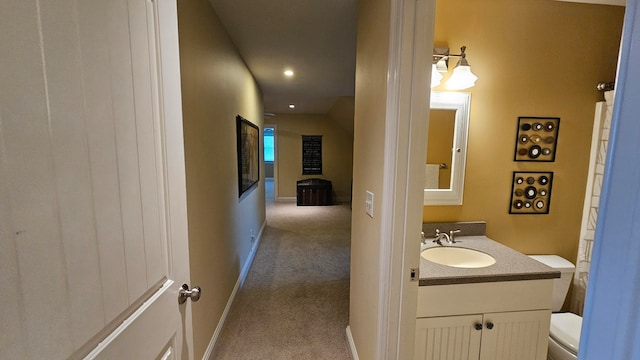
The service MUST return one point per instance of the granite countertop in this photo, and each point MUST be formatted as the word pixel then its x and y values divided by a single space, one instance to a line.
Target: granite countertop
pixel 510 265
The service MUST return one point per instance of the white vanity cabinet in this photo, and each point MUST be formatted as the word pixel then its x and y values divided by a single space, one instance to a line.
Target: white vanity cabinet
pixel 506 320
pixel 448 337
pixel 492 336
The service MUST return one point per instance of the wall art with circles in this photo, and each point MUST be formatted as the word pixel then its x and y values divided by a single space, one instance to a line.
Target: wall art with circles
pixel 530 192
pixel 537 138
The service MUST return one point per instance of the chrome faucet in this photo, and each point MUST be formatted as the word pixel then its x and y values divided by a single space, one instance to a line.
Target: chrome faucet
pixel 440 236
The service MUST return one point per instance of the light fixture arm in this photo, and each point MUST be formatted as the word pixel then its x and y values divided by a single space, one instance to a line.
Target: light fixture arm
pixel 462 52
pixel 463 57
pixel 462 77
pixel 441 53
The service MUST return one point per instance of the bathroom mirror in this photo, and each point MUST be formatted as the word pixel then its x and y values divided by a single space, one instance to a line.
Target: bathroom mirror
pixel 446 148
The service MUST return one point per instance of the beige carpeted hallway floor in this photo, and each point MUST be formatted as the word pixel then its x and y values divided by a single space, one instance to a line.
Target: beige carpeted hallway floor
pixel 294 303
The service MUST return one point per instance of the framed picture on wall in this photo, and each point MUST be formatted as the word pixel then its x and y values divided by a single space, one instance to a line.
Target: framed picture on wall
pixel 248 138
pixel 311 154
pixel 537 138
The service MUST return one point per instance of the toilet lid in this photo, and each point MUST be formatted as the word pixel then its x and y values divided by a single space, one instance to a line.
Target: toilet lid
pixel 565 329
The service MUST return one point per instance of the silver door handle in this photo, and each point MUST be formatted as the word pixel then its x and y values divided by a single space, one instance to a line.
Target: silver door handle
pixel 184 293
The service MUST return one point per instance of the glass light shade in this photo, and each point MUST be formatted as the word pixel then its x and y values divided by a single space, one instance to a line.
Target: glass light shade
pixel 436 77
pixel 462 78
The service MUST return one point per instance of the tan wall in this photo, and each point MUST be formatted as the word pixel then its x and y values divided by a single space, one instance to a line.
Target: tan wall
pixel 220 223
pixel 440 143
pixel 369 126
pixel 337 150
pixel 341 113
pixel 533 58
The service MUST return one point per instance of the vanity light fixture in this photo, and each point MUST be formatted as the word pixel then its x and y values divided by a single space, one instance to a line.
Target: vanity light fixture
pixel 288 73
pixel 462 77
pixel 292 106
pixel 439 65
pixel 436 77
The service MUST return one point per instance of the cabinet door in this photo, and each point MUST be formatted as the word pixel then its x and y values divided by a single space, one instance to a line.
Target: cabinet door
pixel 519 335
pixel 448 338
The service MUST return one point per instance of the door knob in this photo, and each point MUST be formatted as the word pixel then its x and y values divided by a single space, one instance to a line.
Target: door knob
pixel 184 293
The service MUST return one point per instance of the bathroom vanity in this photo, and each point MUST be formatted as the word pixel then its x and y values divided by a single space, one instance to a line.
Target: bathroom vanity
pixel 490 312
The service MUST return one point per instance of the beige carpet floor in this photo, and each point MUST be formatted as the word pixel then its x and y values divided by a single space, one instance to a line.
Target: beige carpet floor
pixel 294 303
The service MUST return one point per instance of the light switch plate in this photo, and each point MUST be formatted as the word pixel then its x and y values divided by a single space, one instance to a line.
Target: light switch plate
pixel 368 204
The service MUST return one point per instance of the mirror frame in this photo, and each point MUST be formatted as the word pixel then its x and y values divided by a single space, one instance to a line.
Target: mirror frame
pixel 461 102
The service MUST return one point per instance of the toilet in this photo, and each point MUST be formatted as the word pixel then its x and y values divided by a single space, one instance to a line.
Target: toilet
pixel 564 333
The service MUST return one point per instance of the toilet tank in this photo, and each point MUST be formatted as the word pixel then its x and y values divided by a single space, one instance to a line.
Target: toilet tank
pixel 561 285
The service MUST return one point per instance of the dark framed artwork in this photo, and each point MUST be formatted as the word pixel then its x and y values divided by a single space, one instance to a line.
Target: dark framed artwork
pixel 248 137
pixel 311 154
pixel 531 192
pixel 537 138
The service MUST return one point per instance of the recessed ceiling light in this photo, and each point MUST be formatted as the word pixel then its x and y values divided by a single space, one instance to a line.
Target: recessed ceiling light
pixel 291 106
pixel 288 73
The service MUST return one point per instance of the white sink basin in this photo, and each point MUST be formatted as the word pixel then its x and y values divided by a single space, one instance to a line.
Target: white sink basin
pixel 458 257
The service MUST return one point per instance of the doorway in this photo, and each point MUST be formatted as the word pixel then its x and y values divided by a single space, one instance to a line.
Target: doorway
pixel 270 163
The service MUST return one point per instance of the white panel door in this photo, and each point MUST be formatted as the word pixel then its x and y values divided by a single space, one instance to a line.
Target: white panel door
pixel 521 335
pixel 93 230
pixel 448 337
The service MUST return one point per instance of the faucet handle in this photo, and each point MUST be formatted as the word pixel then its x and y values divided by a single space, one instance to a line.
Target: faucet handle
pixel 451 234
pixel 436 238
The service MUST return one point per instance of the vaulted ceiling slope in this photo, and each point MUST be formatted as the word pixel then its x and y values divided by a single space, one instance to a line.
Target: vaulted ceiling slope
pixel 315 38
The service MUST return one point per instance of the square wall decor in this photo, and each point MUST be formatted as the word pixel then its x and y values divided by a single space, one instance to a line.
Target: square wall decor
pixel 536 139
pixel 530 192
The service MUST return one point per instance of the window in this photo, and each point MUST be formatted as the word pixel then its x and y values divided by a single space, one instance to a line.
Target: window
pixel 269 155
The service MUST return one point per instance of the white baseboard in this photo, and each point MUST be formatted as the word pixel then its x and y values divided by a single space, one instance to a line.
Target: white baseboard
pixel 285 199
pixel 241 278
pixel 352 345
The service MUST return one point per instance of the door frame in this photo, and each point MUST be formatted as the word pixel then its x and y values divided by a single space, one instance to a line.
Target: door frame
pixel 408 93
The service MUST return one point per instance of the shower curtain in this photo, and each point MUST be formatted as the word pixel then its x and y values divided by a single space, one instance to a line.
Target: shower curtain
pixel 599 143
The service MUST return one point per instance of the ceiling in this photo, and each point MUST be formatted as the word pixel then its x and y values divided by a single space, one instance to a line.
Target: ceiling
pixel 314 38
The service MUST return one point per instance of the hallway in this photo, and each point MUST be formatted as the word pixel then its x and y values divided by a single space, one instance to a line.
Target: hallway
pixel 294 303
